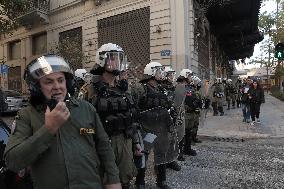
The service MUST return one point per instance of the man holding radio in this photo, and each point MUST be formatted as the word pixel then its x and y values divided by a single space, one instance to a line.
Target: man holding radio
pixel 60 138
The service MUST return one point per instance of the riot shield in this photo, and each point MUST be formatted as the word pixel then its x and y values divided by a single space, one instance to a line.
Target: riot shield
pixel 179 106
pixel 159 122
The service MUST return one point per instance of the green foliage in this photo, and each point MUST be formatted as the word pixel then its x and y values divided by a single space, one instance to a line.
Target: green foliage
pixel 275 91
pixel 272 25
pixel 279 71
pixel 9 10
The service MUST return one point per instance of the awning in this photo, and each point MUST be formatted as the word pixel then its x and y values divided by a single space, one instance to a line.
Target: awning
pixel 234 22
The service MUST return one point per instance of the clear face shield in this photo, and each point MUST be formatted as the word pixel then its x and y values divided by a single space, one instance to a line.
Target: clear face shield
pixel 159 72
pixel 115 61
pixel 189 76
pixel 171 76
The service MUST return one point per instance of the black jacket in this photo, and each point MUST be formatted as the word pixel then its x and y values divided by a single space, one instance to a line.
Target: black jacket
pixel 256 95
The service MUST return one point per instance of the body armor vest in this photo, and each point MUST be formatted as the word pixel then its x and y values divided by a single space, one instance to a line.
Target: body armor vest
pixel 115 108
pixel 170 90
pixel 192 101
pixel 218 91
pixel 231 89
pixel 155 97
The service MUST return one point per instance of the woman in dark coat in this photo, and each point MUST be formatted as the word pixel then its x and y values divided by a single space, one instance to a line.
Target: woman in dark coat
pixel 256 97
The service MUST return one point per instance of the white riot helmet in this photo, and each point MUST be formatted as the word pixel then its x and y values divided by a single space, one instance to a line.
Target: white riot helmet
pixel 170 73
pixel 196 80
pixel 154 69
pixel 43 66
pixel 186 73
pixel 230 81
pixel 109 57
pixel 80 73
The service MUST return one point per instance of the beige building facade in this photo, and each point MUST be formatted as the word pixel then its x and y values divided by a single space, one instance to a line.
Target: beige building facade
pixel 148 30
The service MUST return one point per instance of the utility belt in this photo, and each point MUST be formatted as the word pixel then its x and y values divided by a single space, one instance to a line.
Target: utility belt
pixel 112 104
pixel 191 110
pixel 218 95
pixel 155 102
pixel 119 124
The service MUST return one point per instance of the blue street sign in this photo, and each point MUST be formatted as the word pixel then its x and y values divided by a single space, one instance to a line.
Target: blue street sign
pixel 165 52
pixel 4 68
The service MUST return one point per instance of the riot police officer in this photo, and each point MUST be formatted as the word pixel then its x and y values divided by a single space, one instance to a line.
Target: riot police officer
pixel 197 84
pixel 168 85
pixel 231 94
pixel 115 108
pixel 191 106
pixel 155 118
pixel 217 97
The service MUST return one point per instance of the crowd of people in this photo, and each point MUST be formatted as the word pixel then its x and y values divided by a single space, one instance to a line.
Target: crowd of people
pixel 99 133
pixel 246 93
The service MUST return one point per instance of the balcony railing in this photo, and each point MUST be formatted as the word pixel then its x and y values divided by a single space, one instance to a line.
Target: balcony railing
pixel 35 11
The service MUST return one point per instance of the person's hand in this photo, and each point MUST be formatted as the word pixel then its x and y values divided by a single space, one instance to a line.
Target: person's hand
pixel 138 150
pixel 113 186
pixel 57 117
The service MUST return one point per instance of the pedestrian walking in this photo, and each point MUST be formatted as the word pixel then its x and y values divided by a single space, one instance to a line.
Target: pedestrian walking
pixel 245 100
pixel 59 137
pixel 256 97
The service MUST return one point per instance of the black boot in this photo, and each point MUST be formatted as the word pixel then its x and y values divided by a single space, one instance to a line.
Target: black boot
pixel 221 111
pixel 194 137
pixel 187 145
pixel 180 157
pixel 161 176
pixel 174 166
pixel 215 109
pixel 234 105
pixel 229 106
pixel 140 178
pixel 181 149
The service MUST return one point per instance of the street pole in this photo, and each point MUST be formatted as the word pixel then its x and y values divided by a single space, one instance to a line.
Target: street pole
pixel 267 64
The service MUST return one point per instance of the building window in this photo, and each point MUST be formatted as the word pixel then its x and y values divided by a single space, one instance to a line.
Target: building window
pixel 15 50
pixel 39 44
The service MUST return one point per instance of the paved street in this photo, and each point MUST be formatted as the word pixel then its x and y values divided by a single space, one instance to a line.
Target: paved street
pixel 231 125
pixel 234 154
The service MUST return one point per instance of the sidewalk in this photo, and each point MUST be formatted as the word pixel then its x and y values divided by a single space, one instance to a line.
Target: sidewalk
pixel 231 126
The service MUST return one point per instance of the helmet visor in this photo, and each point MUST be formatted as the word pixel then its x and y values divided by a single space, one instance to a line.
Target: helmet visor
pixel 48 64
pixel 159 72
pixel 171 75
pixel 115 61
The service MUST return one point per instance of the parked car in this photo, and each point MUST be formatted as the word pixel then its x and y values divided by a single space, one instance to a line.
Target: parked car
pixel 15 100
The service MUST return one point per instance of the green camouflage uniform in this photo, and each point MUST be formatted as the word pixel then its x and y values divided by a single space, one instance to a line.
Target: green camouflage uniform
pixel 231 95
pixel 217 93
pixel 196 118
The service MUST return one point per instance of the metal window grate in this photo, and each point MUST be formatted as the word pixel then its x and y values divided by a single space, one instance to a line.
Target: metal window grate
pixel 131 31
